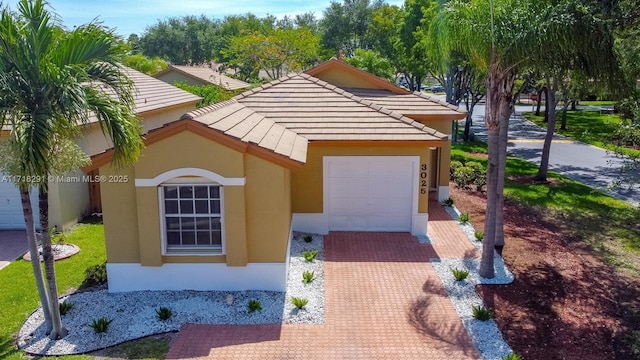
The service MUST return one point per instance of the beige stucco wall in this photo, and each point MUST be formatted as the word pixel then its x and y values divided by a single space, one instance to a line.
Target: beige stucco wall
pixel 306 183
pixel 268 195
pixel 120 216
pixel 257 215
pixel 344 78
pixel 68 200
pixel 443 126
pixel 94 142
pixel 172 77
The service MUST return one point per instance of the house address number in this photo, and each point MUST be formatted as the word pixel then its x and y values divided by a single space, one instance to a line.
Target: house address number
pixel 423 179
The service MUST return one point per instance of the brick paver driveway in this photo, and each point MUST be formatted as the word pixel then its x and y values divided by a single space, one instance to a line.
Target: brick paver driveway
pixel 383 300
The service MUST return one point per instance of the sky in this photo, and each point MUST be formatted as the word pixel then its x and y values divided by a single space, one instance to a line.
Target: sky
pixel 134 16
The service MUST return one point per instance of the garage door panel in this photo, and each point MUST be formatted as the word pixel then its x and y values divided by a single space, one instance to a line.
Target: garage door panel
pixel 339 186
pixel 11 215
pixel 379 187
pixel 398 206
pixel 358 169
pixel 379 195
pixel 358 205
pixel 359 187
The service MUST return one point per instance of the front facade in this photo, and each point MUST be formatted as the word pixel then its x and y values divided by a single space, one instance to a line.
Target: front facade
pixel 216 195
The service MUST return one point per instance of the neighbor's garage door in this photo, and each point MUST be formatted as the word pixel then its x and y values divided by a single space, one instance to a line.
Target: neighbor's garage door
pixel 369 193
pixel 11 216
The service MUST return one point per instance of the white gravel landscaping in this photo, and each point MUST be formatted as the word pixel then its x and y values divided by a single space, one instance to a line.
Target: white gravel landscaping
pixel 485 334
pixel 134 313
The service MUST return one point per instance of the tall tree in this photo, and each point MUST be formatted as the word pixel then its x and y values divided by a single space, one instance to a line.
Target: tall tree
pixel 498 37
pixel 344 25
pixel 277 52
pixel 586 47
pixel 49 86
pixel 181 40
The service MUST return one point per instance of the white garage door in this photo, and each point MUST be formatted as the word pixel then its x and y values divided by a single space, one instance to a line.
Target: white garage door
pixel 11 215
pixel 369 193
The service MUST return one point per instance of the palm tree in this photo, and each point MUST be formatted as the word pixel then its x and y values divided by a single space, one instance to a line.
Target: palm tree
pixel 52 82
pixel 499 37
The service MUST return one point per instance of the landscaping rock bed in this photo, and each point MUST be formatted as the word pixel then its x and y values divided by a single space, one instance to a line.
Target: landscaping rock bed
pixel 133 314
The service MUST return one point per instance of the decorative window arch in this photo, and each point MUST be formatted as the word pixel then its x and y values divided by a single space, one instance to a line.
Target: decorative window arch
pixel 191 210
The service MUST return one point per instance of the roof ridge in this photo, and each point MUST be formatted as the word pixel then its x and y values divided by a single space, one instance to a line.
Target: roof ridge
pixel 191 115
pixel 263 86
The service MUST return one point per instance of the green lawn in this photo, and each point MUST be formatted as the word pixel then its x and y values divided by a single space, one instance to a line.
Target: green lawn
pixel 18 293
pixel 588 126
pixel 597 103
pixel 607 225
pixel 19 297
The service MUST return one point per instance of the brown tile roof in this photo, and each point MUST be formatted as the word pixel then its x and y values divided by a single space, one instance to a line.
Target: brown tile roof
pixel 415 103
pixel 208 75
pixel 320 111
pixel 152 94
pixel 240 122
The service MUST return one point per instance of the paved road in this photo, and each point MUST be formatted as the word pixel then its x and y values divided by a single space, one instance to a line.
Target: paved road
pixel 588 164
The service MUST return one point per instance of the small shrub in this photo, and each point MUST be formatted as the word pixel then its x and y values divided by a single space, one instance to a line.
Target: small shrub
pixel 464 217
pixel 308 276
pixel 447 202
pixel 512 356
pixel 459 275
pixel 100 325
pixel 455 164
pixel 479 235
pixel 65 307
pixel 164 313
pixel 299 302
pixel 254 305
pixel 308 238
pixel 482 313
pixel 310 255
pixel 95 275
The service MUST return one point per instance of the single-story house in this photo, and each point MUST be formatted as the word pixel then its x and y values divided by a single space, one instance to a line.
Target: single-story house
pixel 198 76
pixel 72 197
pixel 214 198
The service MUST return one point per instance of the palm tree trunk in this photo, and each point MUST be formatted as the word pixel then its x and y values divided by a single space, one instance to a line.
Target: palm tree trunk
pixel 27 210
pixel 546 148
pixel 57 330
pixel 493 126
pixel 505 111
pixel 488 243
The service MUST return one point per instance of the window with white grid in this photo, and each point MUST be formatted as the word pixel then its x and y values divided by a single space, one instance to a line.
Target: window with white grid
pixel 193 218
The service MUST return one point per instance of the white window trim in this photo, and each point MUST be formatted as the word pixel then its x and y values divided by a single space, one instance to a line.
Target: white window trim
pixel 190 172
pixel 163 232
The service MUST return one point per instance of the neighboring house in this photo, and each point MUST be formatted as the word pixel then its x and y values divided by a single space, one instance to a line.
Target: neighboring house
pixel 198 76
pixel 214 198
pixel 72 197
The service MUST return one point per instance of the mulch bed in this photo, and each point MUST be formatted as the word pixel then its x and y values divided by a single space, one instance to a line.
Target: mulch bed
pixel 564 303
